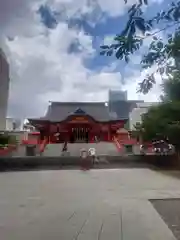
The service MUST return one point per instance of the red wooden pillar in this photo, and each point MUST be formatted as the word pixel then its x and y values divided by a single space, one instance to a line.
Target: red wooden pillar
pixel 67 132
pixel 91 135
pixel 39 138
pixel 92 132
pixel 109 134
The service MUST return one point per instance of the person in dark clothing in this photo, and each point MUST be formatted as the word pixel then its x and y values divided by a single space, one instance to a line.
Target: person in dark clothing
pixel 64 147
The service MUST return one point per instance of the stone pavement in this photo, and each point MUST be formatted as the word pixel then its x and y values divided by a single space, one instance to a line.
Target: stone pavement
pixel 93 205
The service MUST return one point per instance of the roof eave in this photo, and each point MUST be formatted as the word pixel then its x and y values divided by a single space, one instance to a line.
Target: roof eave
pixel 31 120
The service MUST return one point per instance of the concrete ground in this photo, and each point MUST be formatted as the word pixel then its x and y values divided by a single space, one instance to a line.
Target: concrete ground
pixel 76 205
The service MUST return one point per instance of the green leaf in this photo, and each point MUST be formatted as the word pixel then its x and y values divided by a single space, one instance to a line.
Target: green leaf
pixel 119 54
pixel 132 29
pixel 160 50
pixel 109 53
pixel 132 8
pixel 127 59
pixel 103 53
pixel 104 47
pixel 140 24
pixel 115 46
pixel 160 45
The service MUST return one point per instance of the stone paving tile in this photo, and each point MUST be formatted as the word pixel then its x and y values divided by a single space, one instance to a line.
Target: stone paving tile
pixel 169 210
pixel 140 221
pixel 93 227
pixel 76 205
pixel 112 227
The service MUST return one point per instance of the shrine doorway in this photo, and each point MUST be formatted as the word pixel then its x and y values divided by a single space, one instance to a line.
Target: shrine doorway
pixel 79 134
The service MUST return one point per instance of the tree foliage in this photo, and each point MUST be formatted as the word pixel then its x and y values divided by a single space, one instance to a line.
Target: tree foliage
pixel 171 88
pixel 162 121
pixel 128 41
pixel 137 132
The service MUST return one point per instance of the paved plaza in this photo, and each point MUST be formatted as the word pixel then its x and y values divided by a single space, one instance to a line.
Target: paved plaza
pixel 92 205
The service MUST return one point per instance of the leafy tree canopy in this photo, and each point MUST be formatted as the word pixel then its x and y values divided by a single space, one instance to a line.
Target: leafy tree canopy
pixel 162 121
pixel 161 51
pixel 171 88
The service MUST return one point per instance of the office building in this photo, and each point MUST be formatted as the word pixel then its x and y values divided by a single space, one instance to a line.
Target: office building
pixel 4 89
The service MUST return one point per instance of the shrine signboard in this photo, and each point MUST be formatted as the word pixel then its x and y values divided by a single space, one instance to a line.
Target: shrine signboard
pixel 79 120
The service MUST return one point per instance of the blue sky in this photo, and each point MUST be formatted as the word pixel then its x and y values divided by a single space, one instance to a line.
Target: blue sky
pixel 53 49
pixel 110 26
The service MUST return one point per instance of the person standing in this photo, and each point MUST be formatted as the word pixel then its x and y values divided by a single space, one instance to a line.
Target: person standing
pixel 96 139
pixel 64 147
pixel 92 154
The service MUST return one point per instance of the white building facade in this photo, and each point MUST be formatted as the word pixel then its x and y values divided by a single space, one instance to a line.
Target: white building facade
pixel 13 124
pixel 4 89
pixel 136 114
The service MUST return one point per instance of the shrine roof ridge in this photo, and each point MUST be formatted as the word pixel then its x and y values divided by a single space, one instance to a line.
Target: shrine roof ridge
pixel 99 111
pixel 78 103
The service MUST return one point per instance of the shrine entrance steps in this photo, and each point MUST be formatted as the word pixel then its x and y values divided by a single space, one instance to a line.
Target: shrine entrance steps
pixel 74 149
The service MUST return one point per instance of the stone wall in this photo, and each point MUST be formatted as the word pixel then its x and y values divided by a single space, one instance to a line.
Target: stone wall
pixel 32 163
pixel 162 161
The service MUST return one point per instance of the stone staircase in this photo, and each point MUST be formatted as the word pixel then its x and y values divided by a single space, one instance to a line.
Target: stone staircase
pixel 102 148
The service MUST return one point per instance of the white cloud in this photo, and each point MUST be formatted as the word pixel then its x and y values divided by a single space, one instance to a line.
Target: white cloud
pixel 41 67
pixel 20 21
pixel 132 86
pixel 42 70
pixel 80 7
pixel 113 8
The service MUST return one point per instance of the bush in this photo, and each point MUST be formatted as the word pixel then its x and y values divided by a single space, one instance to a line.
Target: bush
pixel 12 140
pixel 6 139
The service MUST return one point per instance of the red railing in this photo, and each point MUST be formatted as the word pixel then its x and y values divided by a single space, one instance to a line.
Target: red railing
pixel 132 141
pixel 33 139
pixel 7 150
pixel 30 141
pixel 118 144
pixel 43 145
pixel 120 141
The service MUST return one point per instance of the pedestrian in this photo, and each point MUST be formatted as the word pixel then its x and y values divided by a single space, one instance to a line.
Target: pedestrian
pixel 84 160
pixel 96 139
pixel 64 147
pixel 92 154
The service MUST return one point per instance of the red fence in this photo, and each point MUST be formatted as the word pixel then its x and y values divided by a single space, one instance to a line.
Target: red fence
pixel 7 150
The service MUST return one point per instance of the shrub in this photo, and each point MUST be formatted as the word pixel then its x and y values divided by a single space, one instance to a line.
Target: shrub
pixel 6 139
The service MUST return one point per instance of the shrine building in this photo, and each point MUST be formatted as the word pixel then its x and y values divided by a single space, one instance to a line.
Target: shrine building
pixel 82 121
